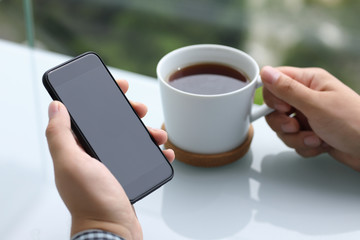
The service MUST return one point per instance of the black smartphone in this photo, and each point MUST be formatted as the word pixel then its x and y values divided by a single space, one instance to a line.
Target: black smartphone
pixel 107 126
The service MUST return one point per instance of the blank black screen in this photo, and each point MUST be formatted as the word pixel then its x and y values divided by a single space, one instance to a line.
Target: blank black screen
pixel 110 125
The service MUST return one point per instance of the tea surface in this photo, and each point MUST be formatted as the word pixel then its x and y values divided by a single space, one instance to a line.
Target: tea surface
pixel 208 79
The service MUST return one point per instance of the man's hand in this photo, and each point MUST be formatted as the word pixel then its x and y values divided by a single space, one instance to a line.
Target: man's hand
pixel 94 197
pixel 315 112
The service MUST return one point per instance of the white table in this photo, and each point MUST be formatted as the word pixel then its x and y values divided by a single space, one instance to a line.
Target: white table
pixel 269 194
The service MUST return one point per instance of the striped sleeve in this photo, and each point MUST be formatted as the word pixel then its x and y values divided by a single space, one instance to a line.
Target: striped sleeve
pixel 95 234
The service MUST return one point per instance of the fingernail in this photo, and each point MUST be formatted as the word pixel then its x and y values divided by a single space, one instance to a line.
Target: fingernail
pixel 270 74
pixel 53 109
pixel 312 141
pixel 289 128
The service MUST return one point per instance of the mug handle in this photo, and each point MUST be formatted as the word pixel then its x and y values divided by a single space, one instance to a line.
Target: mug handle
pixel 262 110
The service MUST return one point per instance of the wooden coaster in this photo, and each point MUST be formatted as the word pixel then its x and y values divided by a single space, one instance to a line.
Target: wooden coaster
pixel 211 160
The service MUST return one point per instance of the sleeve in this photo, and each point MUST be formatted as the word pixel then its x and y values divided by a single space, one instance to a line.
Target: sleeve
pixel 96 234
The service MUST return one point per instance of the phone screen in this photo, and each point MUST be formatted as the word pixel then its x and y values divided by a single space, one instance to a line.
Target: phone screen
pixel 107 125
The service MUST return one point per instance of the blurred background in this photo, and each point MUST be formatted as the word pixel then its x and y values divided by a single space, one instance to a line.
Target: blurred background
pixel 134 34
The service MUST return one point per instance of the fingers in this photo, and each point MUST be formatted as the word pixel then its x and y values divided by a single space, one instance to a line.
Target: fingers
pixel 287 91
pixel 160 137
pixel 296 91
pixel 123 84
pixel 274 102
pixel 169 154
pixel 288 129
pixel 305 143
pixel 140 108
pixel 58 132
pixel 313 78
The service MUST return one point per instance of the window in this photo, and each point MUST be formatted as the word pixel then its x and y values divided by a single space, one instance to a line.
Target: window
pixel 134 34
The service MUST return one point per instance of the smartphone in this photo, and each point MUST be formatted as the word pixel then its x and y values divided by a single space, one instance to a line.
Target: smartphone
pixel 107 126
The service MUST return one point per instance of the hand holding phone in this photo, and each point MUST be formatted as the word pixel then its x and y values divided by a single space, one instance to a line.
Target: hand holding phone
pixel 107 126
pixel 91 193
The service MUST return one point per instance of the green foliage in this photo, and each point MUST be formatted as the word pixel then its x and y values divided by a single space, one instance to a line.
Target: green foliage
pixel 258 98
pixel 132 36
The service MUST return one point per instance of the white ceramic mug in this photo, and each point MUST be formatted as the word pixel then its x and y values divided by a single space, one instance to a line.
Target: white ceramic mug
pixel 209 124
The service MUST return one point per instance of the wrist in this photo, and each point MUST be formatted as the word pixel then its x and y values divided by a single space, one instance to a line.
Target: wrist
pixel 81 224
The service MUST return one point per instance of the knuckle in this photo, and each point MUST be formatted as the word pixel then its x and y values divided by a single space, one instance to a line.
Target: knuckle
pixel 50 130
pixel 321 71
pixel 288 86
pixel 316 72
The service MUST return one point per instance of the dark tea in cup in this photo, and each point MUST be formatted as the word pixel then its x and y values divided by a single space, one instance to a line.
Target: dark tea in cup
pixel 208 79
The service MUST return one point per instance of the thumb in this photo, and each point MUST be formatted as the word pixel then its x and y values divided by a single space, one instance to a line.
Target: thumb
pixel 58 132
pixel 287 89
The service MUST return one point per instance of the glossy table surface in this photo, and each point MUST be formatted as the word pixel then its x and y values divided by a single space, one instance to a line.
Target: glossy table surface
pixel 271 193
